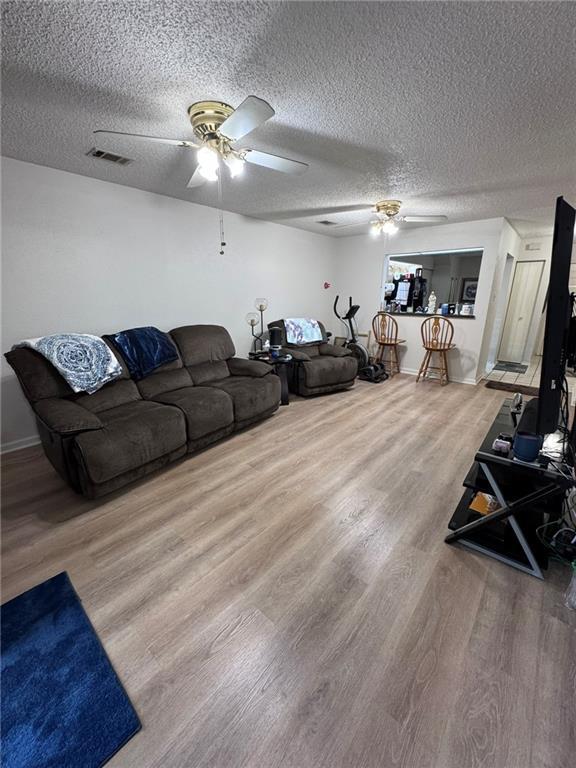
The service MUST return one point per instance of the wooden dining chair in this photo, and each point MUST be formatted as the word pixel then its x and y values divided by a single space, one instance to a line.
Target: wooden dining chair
pixel 437 334
pixel 385 329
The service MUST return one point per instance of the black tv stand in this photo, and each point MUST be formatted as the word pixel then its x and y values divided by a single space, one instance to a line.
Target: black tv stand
pixel 527 495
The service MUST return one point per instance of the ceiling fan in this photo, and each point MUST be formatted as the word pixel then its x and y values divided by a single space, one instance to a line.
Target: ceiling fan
pixel 388 218
pixel 217 127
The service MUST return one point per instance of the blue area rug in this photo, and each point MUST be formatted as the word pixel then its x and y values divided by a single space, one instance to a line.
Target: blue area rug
pixel 62 703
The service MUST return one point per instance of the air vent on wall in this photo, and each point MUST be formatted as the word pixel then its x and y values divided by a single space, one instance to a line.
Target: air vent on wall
pixel 326 223
pixel 110 156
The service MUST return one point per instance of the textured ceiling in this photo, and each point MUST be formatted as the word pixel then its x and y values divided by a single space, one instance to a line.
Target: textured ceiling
pixel 460 108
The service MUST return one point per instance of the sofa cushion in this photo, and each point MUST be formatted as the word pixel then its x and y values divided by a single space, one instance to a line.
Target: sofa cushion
pixel 166 381
pixel 65 416
pixel 238 366
pixel 326 370
pixel 297 354
pixel 133 434
pixel 333 350
pixel 252 397
pixel 205 372
pixel 38 378
pixel 203 343
pixel 206 409
pixel 297 350
pixel 110 396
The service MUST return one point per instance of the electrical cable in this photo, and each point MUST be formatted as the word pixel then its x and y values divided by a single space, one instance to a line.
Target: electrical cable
pixel 549 544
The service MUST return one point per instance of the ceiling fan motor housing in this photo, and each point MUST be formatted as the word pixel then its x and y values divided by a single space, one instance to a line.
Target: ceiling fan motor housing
pixel 388 207
pixel 206 118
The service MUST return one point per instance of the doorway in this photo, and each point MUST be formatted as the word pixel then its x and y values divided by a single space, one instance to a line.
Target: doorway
pixel 503 280
pixel 520 311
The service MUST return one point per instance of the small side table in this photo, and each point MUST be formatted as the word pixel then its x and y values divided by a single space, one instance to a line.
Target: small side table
pixel 280 366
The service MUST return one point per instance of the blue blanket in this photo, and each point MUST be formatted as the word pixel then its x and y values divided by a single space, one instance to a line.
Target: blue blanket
pixel 144 350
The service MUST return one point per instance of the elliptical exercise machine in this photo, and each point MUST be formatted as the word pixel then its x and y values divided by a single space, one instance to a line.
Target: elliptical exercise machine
pixel 367 371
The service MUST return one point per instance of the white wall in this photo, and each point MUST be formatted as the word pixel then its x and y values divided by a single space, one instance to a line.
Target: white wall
pixel 359 272
pixel 509 245
pixel 83 255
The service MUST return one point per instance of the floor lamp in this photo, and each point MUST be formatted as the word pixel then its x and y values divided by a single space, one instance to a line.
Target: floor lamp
pixel 252 319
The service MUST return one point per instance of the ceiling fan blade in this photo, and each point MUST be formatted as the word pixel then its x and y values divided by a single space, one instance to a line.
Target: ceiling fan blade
pixel 274 162
pixel 196 180
pixel 423 219
pixel 249 115
pixel 160 140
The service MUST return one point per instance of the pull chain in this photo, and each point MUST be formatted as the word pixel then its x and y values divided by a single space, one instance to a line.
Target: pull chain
pixel 220 213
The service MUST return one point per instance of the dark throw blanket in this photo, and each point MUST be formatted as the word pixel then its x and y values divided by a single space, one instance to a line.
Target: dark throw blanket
pixel 144 350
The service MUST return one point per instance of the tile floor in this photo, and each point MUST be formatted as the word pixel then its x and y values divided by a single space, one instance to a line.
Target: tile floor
pixel 529 379
pixel 532 377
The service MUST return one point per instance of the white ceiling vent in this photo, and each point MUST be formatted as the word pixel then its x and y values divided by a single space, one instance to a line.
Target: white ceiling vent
pixel 110 156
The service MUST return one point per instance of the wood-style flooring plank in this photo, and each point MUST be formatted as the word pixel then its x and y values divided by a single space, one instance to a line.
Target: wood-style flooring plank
pixel 285 599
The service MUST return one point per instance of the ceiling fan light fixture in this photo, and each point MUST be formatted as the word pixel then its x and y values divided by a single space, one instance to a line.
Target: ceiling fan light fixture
pixel 389 227
pixel 375 228
pixel 208 163
pixel 235 165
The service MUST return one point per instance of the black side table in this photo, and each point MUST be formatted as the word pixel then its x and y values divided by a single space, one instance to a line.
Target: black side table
pixel 280 365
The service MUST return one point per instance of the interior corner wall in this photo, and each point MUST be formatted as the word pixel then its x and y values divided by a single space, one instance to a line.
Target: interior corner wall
pixel 83 255
pixel 509 245
pixel 359 271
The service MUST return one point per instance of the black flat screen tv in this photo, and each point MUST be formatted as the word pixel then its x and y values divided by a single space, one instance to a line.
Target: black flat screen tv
pixel 558 312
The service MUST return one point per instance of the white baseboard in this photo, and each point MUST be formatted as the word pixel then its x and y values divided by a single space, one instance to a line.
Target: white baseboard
pixel 17 445
pixel 414 372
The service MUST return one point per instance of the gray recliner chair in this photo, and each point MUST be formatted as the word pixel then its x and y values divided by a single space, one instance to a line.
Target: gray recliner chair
pixel 318 367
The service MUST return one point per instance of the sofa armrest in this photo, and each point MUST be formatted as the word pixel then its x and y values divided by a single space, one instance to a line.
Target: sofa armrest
pixel 238 366
pixel 333 351
pixel 65 416
pixel 297 355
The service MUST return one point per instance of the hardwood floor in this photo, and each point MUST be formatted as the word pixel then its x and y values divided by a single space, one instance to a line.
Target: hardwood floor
pixel 286 599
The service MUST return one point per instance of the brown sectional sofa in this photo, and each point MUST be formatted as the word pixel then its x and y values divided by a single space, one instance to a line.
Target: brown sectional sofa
pixel 101 442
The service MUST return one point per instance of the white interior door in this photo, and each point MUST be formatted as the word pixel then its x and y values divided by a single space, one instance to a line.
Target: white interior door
pixel 521 306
